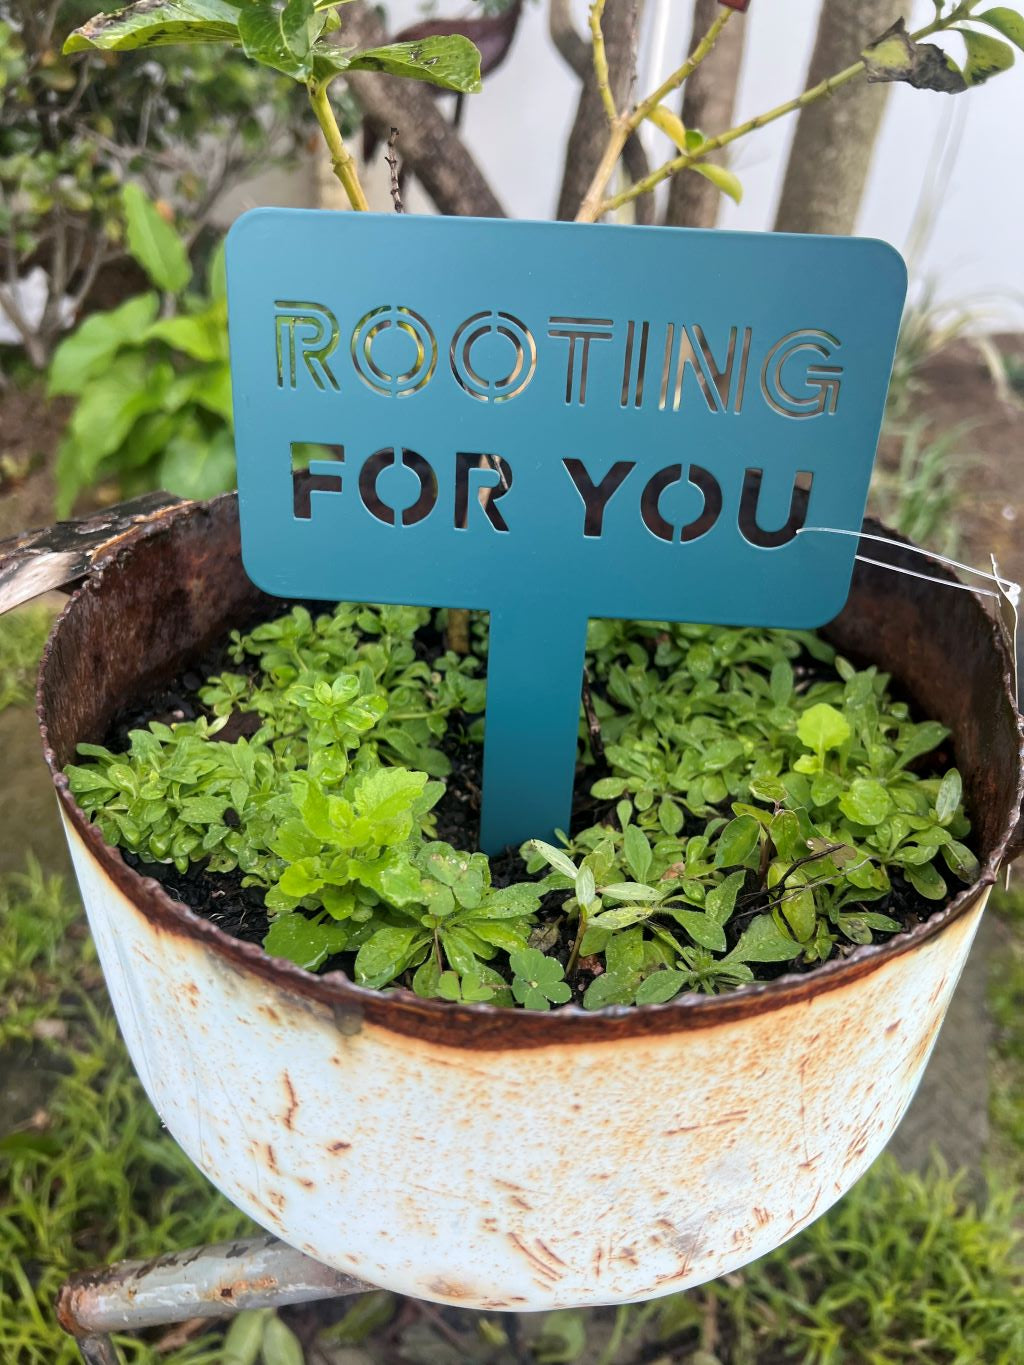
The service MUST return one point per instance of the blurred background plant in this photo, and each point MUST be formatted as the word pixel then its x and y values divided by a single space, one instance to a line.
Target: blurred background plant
pixel 74 130
pixel 151 377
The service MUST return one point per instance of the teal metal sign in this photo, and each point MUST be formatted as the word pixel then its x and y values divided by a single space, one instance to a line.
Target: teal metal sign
pixel 552 422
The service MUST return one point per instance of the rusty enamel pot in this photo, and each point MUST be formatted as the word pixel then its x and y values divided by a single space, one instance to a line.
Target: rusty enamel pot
pixel 498 1158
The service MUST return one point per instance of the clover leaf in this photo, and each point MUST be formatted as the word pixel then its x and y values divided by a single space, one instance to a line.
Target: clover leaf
pixel 538 981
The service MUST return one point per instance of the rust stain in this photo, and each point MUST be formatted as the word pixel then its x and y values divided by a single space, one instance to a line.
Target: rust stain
pixel 542 1266
pixel 520 1203
pixel 450 1289
pixel 335 1147
pixel 293 1103
pixel 269 1012
pixel 551 1255
pixel 261 1284
pixel 307 1184
pixel 721 1121
pixel 894 1028
pixel 272 1159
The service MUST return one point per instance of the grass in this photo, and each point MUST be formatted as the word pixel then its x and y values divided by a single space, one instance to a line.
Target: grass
pixel 86 1173
pixel 904 1269
pixel 1006 1001
pixel 22 636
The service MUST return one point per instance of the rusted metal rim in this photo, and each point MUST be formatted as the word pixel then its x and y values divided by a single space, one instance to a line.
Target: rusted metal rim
pixel 206 528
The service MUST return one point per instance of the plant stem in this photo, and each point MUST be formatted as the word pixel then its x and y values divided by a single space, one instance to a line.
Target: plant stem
pixel 702 50
pixel 574 955
pixel 593 206
pixel 342 159
pixel 622 126
pixel 600 59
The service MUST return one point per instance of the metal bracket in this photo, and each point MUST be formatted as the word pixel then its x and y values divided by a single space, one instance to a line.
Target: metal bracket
pixel 204 1282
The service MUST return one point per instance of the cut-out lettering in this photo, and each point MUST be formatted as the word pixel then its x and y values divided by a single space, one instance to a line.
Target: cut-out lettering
pixel 750 527
pixel 318 333
pixel 519 344
pixel 465 463
pixel 375 504
pixel 584 330
pixel 379 323
pixel 649 499
pixel 820 382
pixel 595 496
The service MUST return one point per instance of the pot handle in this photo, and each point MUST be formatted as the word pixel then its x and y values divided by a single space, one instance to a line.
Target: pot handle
pixel 60 556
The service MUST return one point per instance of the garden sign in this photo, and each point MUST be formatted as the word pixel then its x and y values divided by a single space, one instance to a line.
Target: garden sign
pixel 552 422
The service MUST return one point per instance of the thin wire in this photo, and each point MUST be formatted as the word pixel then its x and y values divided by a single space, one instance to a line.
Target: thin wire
pixel 928 578
pixel 1008 587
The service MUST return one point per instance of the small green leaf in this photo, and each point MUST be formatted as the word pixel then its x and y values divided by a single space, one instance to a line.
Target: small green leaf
pixel 948 800
pixel 701 928
pixel 764 941
pixel 926 880
pixel 1005 21
pixel 637 849
pixel 737 841
pixel 986 57
pixel 152 23
pixel 559 860
pixel 960 860
pixel 722 179
pixel 822 727
pixel 449 61
pixel 281 36
pixel 659 987
pixel 866 802
pixel 387 954
pixel 631 891
pixel 154 243
pixel 720 903
pixel 918 740
pixel 780 682
pixel 622 919
pixel 585 887
pixel 303 941
pixel 768 789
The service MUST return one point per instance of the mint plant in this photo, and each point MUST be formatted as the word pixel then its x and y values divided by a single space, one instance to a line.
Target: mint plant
pixel 761 806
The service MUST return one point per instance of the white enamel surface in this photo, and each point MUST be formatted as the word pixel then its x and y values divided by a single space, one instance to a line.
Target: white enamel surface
pixel 600 1173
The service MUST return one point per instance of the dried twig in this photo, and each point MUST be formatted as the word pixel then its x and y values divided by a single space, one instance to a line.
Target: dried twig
pixel 593 724
pixel 391 158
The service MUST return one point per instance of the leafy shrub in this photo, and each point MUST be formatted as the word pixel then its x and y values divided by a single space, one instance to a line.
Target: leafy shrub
pixel 73 130
pixel 761 807
pixel 151 377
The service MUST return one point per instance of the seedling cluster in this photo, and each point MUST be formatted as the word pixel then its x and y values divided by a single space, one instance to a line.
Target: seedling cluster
pixel 756 804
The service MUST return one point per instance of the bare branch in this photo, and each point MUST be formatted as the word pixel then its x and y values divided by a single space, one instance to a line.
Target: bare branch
pixel 571 46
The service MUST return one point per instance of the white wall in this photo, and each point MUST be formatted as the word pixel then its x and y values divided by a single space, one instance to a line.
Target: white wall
pixel 974 255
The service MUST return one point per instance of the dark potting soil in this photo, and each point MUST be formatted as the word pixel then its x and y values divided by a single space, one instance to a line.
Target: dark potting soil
pixel 239 911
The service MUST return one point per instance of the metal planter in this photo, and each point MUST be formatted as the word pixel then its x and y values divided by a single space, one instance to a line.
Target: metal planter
pixel 504 1159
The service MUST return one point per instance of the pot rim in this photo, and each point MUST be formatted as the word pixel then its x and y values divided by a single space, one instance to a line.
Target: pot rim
pixel 484 1026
